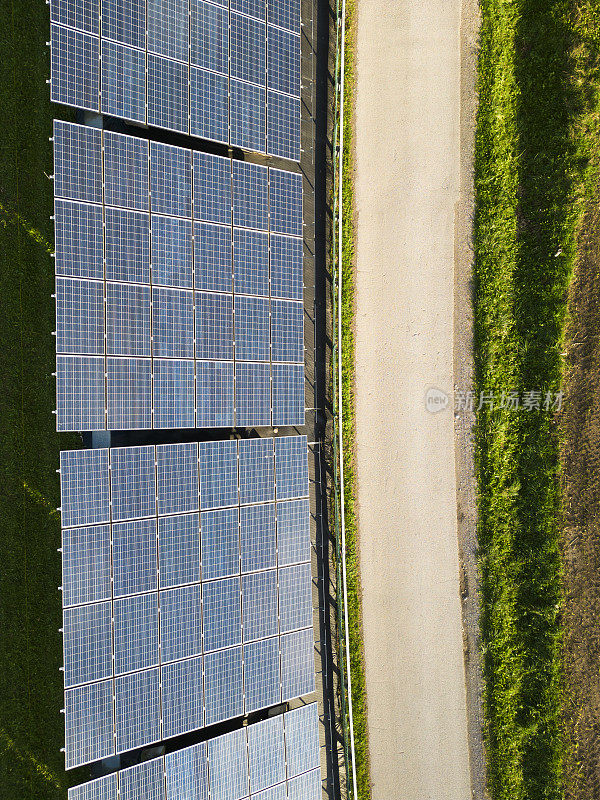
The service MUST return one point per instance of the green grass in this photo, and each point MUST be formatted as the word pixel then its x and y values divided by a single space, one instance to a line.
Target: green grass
pixel 359 698
pixel 536 131
pixel 31 726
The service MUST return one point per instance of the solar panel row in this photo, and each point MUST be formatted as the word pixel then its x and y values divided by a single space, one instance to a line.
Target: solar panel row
pixel 231 75
pixel 278 758
pixel 151 651
pixel 179 287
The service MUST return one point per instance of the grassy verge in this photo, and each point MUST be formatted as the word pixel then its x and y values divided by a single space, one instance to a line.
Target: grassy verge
pixel 359 698
pixel 31 727
pixel 536 133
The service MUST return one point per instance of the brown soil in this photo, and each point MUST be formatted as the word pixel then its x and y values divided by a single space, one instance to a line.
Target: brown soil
pixel 580 423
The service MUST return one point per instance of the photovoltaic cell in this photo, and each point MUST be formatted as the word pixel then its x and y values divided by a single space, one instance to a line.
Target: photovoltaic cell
pixel 257 536
pixel 179 550
pixel 129 394
pixel 79 316
pixel 247 115
pixel 170 180
pixel 222 614
pixel 77 162
pixel 210 36
pixel 287 331
pixel 168 94
pixel 88 723
pixel 284 13
pixel 177 478
pixel 174 401
pixel 251 262
pixel 172 323
pixel 259 600
pixel 278 792
pixel 137 709
pixel 293 532
pixel 283 125
pixel 127 319
pixel 283 61
pixel 123 81
pixel 288 394
pixel 297 664
pixel 295 598
pixel 251 328
pixel 252 8
pixel 186 773
pixel 306 786
pixel 256 470
pixel 80 400
pixel 248 49
pixel 172 251
pixel 285 202
pixel 168 28
pixel 209 105
pixel 266 753
pixel 252 394
pixel 182 697
pixel 143 781
pixel 212 188
pixel 86 565
pixel 223 682
pixel 228 761
pixel 87 643
pixel 125 21
pixel 250 195
pixel 83 15
pixel 302 739
pixel 220 543
pixel 125 171
pixel 133 482
pixel 291 467
pixel 105 788
pixel 261 674
pixel 212 257
pixel 84 487
pixel 181 622
pixel 75 68
pixel 214 394
pixel 136 633
pixel 218 474
pixel 134 557
pixel 214 326
pixel 78 239
pixel 286 267
pixel 127 245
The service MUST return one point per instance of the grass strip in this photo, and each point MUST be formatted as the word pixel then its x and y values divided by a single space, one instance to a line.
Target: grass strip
pixel 537 101
pixel 359 697
pixel 31 695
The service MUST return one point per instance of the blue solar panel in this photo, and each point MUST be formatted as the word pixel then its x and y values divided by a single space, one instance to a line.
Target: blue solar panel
pixel 105 788
pixel 78 239
pixel 80 398
pixel 220 543
pixel 212 188
pixel 182 697
pixel 214 326
pixel 283 125
pixel 291 467
pixel 210 36
pixel 257 537
pixel 172 323
pixel 250 195
pixel 168 94
pixel 77 162
pixel 123 81
pixel 83 15
pixel 87 643
pixel 247 114
pixel 261 674
pixel 284 13
pixel 223 683
pixel 181 623
pixel 168 28
pixel 306 786
pixel 222 614
pixel 248 49
pixel 214 394
pixel 128 393
pixel 79 316
pixel 209 105
pixel 75 60
pixel 278 792
pixel 252 394
pixel 134 557
pixel 127 319
pixel 84 487
pixel 285 202
pixel 286 267
pixel 259 600
pixel 137 709
pixel 283 61
pixel 177 478
pixel 136 632
pixel 143 781
pixel 127 245
pixel 251 328
pixel 266 753
pixel 212 257
pixel 287 331
pixel 186 773
pixel 173 383
pixel 170 180
pixel 125 171
pixel 293 532
pixel 172 251
pixel 125 21
pixel 288 394
pixel 179 550
pixel 86 567
pixel 133 482
pixel 302 739
pixel 88 723
pixel 228 762
pixel 251 262
pixel 256 470
pixel 297 664
pixel 295 598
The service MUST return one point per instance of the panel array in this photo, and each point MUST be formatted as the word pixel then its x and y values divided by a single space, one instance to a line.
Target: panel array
pixel 178 287
pixel 187 593
pixel 278 758
pixel 229 74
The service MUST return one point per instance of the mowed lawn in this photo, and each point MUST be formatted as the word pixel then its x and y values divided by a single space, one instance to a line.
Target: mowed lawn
pixel 537 145
pixel 31 726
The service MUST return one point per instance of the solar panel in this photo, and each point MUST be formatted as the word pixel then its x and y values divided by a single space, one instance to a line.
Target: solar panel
pixel 137 709
pixel 283 126
pixel 278 792
pixel 80 397
pixel 286 267
pixel 248 49
pixel 247 115
pixel 124 21
pixel 86 566
pixel 297 664
pixel 134 557
pixel 174 402
pixel 181 622
pixel 104 788
pixel 228 761
pixel 305 787
pixel 302 739
pixel 186 773
pixel 168 94
pixel 87 643
pixel 168 28
pixel 251 328
pixel 250 195
pixel 293 532
pixel 136 640
pixel 295 597
pixel 251 262
pixel 170 180
pixel 288 394
pixel 82 15
pixel 143 781
pixel 266 753
pixel 287 331
pixel 125 171
pixel 89 723
pixel 127 245
pixel 128 319
pixel 84 487
pixel 218 469
pixel 223 682
pixel 209 105
pixel 179 550
pixel 75 63
pixel 172 323
pixel 220 543
pixel 222 614
pixel 261 674
pixel 285 202
pixel 284 13
pixel 258 537
pixel 283 62
pixel 172 251
pixel 182 697
pixel 259 600
pixel 210 36
pixel 214 326
pixel 214 394
pixel 78 239
pixel 123 82
pixel 177 478
pixel 252 394
pixel 77 162
pixel 128 393
pixel 212 257
pixel 257 473
pixel 212 188
pixel 291 467
pixel 79 316
pixel 133 482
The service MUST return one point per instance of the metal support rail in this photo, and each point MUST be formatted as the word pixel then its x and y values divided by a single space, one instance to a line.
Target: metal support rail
pixel 337 391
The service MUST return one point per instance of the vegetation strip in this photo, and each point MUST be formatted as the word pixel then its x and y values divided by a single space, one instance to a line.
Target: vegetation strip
pixel 537 128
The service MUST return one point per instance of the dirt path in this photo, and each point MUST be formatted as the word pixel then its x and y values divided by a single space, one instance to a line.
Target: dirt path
pixel 410 186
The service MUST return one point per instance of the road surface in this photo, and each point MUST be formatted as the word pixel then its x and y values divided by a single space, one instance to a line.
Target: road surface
pixel 408 189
